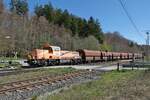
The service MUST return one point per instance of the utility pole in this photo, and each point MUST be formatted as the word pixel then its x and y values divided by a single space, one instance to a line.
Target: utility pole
pixel 147 46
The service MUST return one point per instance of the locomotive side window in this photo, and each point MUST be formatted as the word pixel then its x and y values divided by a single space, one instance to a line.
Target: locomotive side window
pixel 50 50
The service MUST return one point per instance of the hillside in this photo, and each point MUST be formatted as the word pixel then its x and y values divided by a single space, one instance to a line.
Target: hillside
pixel 119 43
pixel 21 32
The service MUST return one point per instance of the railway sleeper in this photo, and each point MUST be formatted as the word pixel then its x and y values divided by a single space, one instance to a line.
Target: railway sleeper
pixel 56 82
pixel 20 91
pixel 29 88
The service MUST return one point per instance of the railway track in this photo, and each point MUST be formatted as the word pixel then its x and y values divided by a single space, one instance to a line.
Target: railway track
pixel 11 89
pixel 24 70
pixel 16 71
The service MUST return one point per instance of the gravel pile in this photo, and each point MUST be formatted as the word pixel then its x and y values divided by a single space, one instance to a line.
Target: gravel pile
pixel 40 90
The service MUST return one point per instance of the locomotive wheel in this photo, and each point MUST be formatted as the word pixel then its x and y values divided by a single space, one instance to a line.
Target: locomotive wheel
pixel 57 62
pixel 52 63
pixel 79 61
pixel 46 63
pixel 72 62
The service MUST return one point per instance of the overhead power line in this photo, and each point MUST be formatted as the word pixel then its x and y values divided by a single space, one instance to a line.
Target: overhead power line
pixel 130 18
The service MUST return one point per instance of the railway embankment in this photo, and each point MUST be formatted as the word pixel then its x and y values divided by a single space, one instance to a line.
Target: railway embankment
pixel 122 85
pixel 27 88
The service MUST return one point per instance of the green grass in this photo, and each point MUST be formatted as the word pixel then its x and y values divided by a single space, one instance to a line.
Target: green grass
pixel 14 63
pixel 6 62
pixel 2 65
pixel 9 58
pixel 124 85
pixel 38 73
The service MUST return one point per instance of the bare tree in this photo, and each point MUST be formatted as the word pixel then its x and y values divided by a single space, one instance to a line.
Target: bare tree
pixel 1 6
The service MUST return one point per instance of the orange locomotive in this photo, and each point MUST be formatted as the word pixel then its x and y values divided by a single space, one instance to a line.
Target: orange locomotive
pixel 53 55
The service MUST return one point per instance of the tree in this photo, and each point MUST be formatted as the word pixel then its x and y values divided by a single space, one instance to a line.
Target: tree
pixel 19 6
pixel 46 11
pixel 84 31
pixel 89 42
pixel 131 43
pixel 12 5
pixel 1 6
pixel 94 29
pixel 66 19
pixel 74 26
pixel 119 43
pixel 91 26
pixel 81 25
pixel 57 18
pixel 39 11
pixel 99 34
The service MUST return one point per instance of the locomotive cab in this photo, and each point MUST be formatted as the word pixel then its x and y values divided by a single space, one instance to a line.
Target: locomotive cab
pixel 45 56
pixel 55 50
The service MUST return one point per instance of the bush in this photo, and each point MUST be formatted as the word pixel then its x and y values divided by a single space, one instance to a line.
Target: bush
pixel 105 47
pixel 85 43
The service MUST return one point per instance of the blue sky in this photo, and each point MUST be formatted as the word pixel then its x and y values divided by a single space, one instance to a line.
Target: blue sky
pixel 109 12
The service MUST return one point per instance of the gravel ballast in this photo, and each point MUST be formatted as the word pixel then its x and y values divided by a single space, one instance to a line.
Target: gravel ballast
pixel 42 89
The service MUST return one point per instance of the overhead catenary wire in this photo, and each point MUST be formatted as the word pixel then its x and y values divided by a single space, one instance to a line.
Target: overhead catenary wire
pixel 130 18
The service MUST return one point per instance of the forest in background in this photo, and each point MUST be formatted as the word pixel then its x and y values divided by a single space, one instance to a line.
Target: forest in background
pixel 21 32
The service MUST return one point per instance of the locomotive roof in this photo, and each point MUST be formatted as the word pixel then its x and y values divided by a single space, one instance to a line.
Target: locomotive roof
pixel 49 46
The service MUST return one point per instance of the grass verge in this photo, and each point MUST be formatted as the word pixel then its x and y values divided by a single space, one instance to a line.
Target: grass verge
pixel 124 85
pixel 5 62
